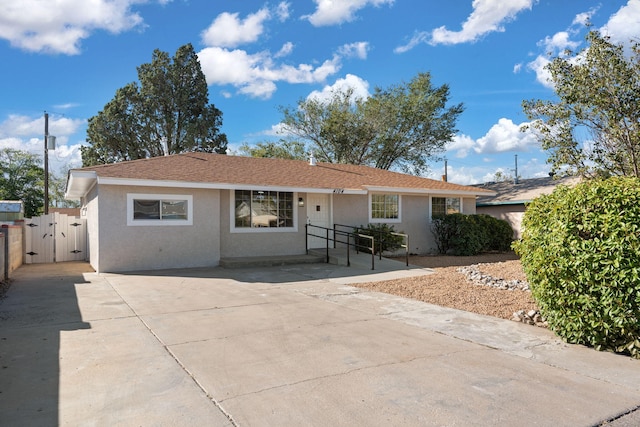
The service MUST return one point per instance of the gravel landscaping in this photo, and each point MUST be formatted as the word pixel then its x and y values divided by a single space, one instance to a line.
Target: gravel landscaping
pixel 449 286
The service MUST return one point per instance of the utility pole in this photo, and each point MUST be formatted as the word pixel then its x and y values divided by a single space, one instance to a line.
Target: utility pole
pixel 49 143
pixel 46 163
pixel 515 180
pixel 446 178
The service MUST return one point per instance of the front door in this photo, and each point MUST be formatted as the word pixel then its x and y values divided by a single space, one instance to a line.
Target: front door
pixel 319 214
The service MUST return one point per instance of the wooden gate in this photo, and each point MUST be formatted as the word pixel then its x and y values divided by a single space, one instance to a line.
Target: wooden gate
pixel 55 237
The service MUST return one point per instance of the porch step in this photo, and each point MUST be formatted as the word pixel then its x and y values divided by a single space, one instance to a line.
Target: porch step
pixel 335 257
pixel 270 261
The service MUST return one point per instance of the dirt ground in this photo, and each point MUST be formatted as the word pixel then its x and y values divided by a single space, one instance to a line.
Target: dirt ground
pixel 449 288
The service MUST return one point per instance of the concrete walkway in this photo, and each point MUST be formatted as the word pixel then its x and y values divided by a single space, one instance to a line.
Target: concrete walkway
pixel 283 346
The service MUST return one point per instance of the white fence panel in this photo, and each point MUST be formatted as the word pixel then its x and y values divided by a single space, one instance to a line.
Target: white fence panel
pixel 71 238
pixel 39 237
pixel 55 238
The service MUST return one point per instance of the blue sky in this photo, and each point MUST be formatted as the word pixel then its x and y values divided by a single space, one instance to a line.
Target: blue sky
pixel 69 57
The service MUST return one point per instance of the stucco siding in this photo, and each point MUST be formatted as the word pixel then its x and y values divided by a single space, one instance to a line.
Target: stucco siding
pixel 415 223
pixel 90 205
pixel 351 209
pixel 354 210
pixel 513 214
pixel 130 248
pixel 259 242
pixel 469 205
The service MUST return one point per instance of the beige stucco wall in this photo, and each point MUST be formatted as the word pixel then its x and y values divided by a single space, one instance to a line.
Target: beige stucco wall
pixel 513 214
pixel 260 242
pixel 469 205
pixel 351 209
pixel 130 248
pixel 90 207
pixel 354 210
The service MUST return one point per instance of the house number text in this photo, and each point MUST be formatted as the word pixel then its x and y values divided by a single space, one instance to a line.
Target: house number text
pixel 338 190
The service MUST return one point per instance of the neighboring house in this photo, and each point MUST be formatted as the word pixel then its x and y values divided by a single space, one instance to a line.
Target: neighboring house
pixel 510 199
pixel 11 210
pixel 192 209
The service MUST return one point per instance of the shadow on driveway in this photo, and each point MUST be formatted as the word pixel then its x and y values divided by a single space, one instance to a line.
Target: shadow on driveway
pixel 39 305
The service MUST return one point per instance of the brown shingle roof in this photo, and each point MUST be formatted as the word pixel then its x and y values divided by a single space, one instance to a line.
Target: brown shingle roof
pixel 507 192
pixel 253 171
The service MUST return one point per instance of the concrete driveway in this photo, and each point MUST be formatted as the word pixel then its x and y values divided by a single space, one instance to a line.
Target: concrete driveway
pixel 283 346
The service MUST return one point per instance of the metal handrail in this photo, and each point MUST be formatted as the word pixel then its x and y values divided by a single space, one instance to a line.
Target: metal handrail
pixel 337 232
pixel 405 246
pixel 380 241
pixel 355 244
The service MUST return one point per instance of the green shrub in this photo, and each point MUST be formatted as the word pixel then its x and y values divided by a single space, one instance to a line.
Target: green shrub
pixel 580 250
pixel 470 237
pixel 461 234
pixel 499 233
pixel 384 239
pixel 443 233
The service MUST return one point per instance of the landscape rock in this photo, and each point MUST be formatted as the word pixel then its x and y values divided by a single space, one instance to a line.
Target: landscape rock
pixel 474 275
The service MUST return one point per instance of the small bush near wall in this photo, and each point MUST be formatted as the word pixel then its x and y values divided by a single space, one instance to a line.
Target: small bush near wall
pixel 461 234
pixel 580 249
pixel 385 241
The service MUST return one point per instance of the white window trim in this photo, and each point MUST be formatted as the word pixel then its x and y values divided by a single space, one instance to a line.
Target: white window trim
pixel 442 197
pixel 232 215
pixel 158 222
pixel 385 220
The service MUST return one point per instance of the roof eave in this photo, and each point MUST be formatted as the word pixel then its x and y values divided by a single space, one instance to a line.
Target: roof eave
pixel 221 186
pixel 79 183
pixel 438 191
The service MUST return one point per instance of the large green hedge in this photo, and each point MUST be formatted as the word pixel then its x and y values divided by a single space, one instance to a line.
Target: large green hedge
pixel 461 234
pixel 580 250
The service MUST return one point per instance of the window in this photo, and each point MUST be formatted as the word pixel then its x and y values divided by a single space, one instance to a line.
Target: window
pixel 385 208
pixel 263 209
pixel 441 206
pixel 159 209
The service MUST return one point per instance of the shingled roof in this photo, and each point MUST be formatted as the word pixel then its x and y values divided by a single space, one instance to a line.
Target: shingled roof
pixel 224 171
pixel 524 191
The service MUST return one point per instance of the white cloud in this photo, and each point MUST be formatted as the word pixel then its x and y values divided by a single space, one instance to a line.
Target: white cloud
pixel 584 18
pixel 624 25
pixel 359 86
pixel 59 27
pixel 282 11
pixel 517 68
pixel 558 43
pixel 530 168
pixel 491 176
pixel 331 12
pixel 419 37
pixel 542 74
pixel 457 174
pixel 285 50
pixel 505 136
pixel 227 30
pixel 256 74
pixel 25 126
pixel 461 145
pixel 27 134
pixel 488 16
pixel 357 49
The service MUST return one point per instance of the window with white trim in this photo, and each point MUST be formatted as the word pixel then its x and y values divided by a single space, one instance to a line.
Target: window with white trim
pixel 384 208
pixel 159 209
pixel 442 206
pixel 260 209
